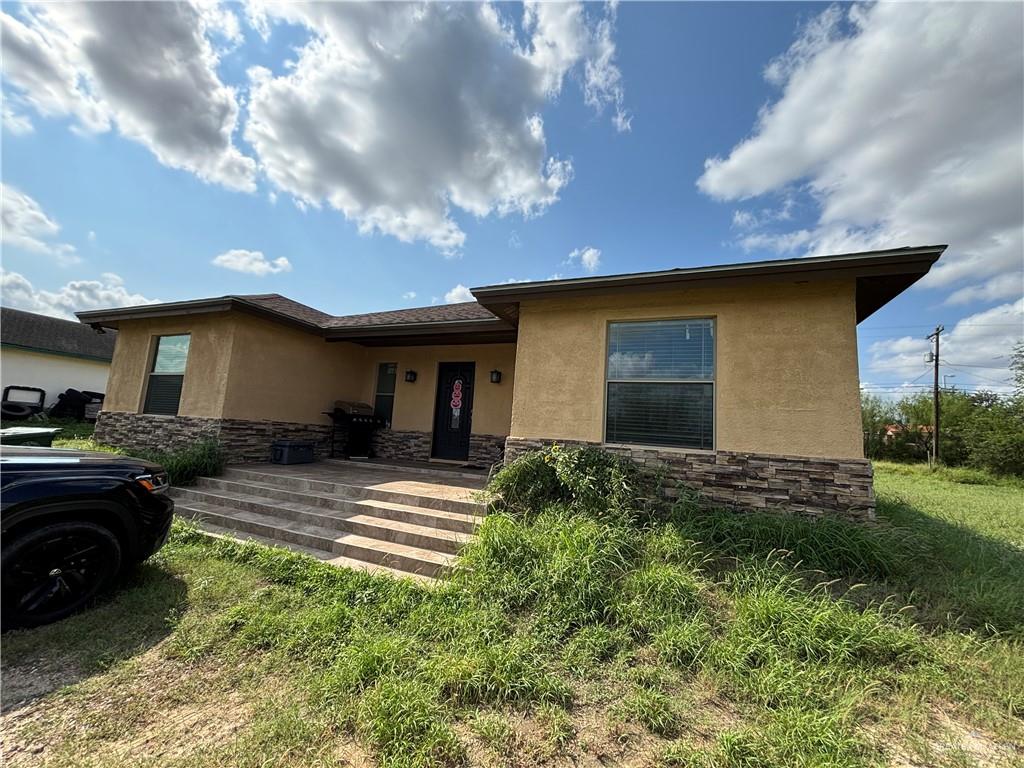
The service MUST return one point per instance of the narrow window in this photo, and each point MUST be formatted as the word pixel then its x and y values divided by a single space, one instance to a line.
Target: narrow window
pixel 384 398
pixel 163 391
pixel 661 383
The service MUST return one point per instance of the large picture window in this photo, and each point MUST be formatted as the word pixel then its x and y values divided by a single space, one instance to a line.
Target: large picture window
pixel 384 397
pixel 661 383
pixel 163 391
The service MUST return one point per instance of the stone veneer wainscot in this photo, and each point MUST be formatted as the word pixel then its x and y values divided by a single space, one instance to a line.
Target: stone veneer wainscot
pixel 808 486
pixel 245 441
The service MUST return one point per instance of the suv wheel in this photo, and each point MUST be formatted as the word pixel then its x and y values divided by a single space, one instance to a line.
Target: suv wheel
pixel 51 572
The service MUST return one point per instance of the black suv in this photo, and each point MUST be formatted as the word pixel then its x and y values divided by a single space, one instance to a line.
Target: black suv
pixel 70 523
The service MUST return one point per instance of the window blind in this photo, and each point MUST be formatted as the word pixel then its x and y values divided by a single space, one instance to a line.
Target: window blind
pixel 660 383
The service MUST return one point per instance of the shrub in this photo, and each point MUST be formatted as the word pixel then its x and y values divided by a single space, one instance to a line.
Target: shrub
pixel 184 466
pixel 593 481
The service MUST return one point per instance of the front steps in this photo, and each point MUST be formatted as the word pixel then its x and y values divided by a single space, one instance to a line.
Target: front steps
pixel 387 520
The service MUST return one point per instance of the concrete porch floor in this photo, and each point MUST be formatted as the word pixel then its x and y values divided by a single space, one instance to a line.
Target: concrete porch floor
pixel 437 481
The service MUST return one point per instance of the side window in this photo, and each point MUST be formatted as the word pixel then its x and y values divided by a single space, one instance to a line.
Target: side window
pixel 661 383
pixel 163 390
pixel 384 397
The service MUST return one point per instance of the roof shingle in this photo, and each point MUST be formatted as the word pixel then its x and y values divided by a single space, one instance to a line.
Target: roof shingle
pixel 51 334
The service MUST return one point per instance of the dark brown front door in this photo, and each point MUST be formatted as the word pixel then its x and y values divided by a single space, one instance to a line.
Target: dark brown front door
pixel 453 413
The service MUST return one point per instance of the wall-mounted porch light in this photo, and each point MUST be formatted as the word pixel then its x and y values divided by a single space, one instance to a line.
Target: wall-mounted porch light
pixel 495 377
pixel 410 376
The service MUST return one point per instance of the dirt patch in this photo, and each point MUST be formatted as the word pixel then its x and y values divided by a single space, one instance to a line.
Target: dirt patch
pixel 168 711
pixel 951 741
pixel 30 679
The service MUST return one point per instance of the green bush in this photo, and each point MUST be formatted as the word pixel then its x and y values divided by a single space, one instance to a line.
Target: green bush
pixel 592 480
pixel 199 460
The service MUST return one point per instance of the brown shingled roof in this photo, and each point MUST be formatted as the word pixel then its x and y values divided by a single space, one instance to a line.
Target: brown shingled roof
pixel 282 305
pixel 441 313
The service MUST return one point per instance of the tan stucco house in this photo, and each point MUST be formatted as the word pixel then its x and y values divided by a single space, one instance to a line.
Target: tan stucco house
pixel 739 380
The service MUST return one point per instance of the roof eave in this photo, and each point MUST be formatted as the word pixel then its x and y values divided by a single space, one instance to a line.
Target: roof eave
pixel 109 318
pixel 911 263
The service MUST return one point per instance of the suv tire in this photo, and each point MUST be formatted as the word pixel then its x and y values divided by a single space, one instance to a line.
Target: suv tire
pixel 50 572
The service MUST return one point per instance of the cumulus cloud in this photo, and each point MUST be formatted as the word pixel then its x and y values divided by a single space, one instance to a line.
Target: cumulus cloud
pixel 458 294
pixel 396 114
pixel 15 123
pixel 976 350
pixel 26 226
pixel 589 258
pixel 903 123
pixel 75 296
pixel 147 68
pixel 251 262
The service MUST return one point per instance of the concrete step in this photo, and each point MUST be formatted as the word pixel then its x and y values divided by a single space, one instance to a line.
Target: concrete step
pixel 340 489
pixel 382 552
pixel 319 554
pixel 362 522
pixel 459 522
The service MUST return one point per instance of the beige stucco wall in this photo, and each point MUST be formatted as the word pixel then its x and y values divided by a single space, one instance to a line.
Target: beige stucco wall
pixel 414 403
pixel 206 372
pixel 279 373
pixel 243 367
pixel 786 365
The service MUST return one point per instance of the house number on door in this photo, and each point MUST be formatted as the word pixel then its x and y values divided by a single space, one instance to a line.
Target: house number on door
pixel 456 403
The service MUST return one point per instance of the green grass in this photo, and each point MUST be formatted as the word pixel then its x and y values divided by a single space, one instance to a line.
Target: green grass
pixel 571 633
pixel 70 429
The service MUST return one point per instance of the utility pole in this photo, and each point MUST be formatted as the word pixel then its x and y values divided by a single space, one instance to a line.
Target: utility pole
pixel 936 410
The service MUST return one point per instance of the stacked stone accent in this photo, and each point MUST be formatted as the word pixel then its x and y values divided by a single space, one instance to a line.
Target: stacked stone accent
pixel 241 440
pixel 406 445
pixel 411 445
pixel 486 450
pixel 140 431
pixel 797 484
pixel 251 440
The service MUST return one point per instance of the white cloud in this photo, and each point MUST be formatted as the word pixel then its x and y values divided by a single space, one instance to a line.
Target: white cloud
pixel 979 344
pixel 147 68
pixel 397 114
pixel 903 122
pixel 15 123
pixel 589 258
pixel 458 294
pixel 75 296
pixel 251 262
pixel 92 236
pixel 1005 286
pixel 409 295
pixel 26 226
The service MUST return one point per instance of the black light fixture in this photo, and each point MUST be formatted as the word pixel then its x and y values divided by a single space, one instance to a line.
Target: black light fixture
pixel 410 376
pixel 495 377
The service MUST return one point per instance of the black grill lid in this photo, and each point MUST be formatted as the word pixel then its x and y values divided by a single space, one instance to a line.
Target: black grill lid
pixel 352 408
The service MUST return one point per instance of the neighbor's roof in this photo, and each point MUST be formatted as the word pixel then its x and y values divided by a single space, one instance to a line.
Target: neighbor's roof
pixel 41 333
pixel 880 276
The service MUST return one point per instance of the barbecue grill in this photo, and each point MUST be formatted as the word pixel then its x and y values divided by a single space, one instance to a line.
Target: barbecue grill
pixel 358 421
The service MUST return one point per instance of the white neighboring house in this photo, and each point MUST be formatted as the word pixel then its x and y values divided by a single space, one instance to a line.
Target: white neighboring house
pixel 52 354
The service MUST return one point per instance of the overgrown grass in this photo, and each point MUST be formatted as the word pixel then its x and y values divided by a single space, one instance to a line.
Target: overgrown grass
pixel 201 459
pixel 70 429
pixel 583 623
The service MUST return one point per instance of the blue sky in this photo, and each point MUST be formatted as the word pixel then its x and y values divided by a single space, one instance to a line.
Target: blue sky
pixel 496 143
